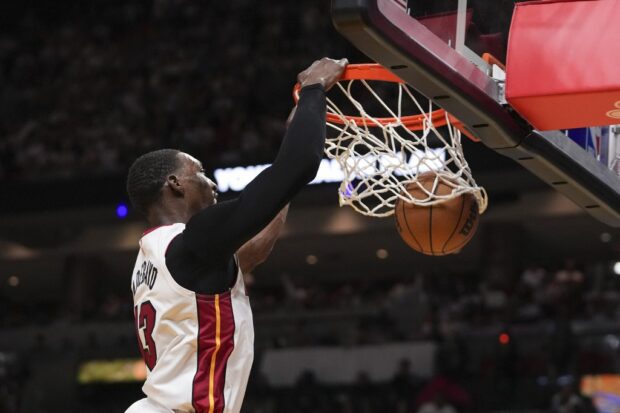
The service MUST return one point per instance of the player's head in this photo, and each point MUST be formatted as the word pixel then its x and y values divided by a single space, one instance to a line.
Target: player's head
pixel 169 176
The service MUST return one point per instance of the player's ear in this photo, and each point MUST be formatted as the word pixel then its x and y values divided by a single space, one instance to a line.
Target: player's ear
pixel 175 185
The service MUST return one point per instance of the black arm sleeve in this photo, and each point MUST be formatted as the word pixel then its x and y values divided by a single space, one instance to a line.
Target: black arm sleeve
pixel 213 235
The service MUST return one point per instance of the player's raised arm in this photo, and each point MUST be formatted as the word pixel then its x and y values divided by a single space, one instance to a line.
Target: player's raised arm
pixel 255 251
pixel 219 230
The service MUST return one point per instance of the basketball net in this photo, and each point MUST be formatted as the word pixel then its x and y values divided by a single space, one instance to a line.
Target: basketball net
pixel 381 156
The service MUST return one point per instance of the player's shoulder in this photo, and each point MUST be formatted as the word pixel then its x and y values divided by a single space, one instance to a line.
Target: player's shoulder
pixel 160 237
pixel 163 230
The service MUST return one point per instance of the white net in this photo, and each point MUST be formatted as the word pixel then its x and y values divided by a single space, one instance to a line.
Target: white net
pixel 380 157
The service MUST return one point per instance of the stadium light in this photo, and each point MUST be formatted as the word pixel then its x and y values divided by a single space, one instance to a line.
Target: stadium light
pixel 382 253
pixel 122 211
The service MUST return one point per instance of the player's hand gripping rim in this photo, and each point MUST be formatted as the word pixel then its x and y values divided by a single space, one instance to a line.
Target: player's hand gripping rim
pixel 325 72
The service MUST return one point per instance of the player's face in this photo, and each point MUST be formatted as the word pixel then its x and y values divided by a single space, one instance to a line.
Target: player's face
pixel 200 191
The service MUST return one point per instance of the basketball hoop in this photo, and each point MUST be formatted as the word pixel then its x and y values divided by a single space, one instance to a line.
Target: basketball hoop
pixel 381 156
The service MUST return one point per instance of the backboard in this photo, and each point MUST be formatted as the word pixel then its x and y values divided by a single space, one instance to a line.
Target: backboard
pixel 451 51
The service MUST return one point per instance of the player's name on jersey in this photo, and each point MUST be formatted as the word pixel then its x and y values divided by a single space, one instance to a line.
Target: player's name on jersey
pixel 147 274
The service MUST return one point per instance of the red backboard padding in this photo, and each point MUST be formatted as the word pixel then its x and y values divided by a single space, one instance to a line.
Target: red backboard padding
pixel 563 63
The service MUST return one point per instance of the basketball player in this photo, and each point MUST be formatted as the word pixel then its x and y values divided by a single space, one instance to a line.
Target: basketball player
pixel 192 316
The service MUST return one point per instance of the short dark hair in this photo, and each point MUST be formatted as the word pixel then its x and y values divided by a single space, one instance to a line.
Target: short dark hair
pixel 147 176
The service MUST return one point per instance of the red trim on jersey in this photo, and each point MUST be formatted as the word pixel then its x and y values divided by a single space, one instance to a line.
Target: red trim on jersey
pixel 149 230
pixel 213 351
pixel 227 344
pixel 205 348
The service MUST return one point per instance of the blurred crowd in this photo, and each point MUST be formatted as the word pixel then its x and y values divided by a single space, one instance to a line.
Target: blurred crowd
pixel 446 391
pixel 520 338
pixel 536 318
pixel 420 306
pixel 86 91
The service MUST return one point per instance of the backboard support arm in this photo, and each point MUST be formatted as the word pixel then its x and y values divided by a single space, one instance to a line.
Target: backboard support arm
pixel 457 85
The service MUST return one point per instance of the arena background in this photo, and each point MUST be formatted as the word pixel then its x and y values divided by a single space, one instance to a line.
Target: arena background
pixel 348 319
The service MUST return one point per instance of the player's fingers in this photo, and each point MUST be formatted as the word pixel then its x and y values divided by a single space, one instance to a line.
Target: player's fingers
pixel 304 74
pixel 337 61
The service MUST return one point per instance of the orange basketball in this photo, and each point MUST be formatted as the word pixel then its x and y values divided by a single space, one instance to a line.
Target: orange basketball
pixel 438 229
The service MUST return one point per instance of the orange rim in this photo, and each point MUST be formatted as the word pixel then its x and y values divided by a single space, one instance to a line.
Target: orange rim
pixel 376 72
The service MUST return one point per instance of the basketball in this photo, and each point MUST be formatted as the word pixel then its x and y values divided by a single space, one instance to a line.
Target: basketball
pixel 438 229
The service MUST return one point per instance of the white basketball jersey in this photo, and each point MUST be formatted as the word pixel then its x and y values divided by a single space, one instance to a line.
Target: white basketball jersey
pixel 198 348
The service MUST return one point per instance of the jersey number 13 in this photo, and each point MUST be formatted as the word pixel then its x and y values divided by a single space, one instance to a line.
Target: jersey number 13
pixel 145 323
